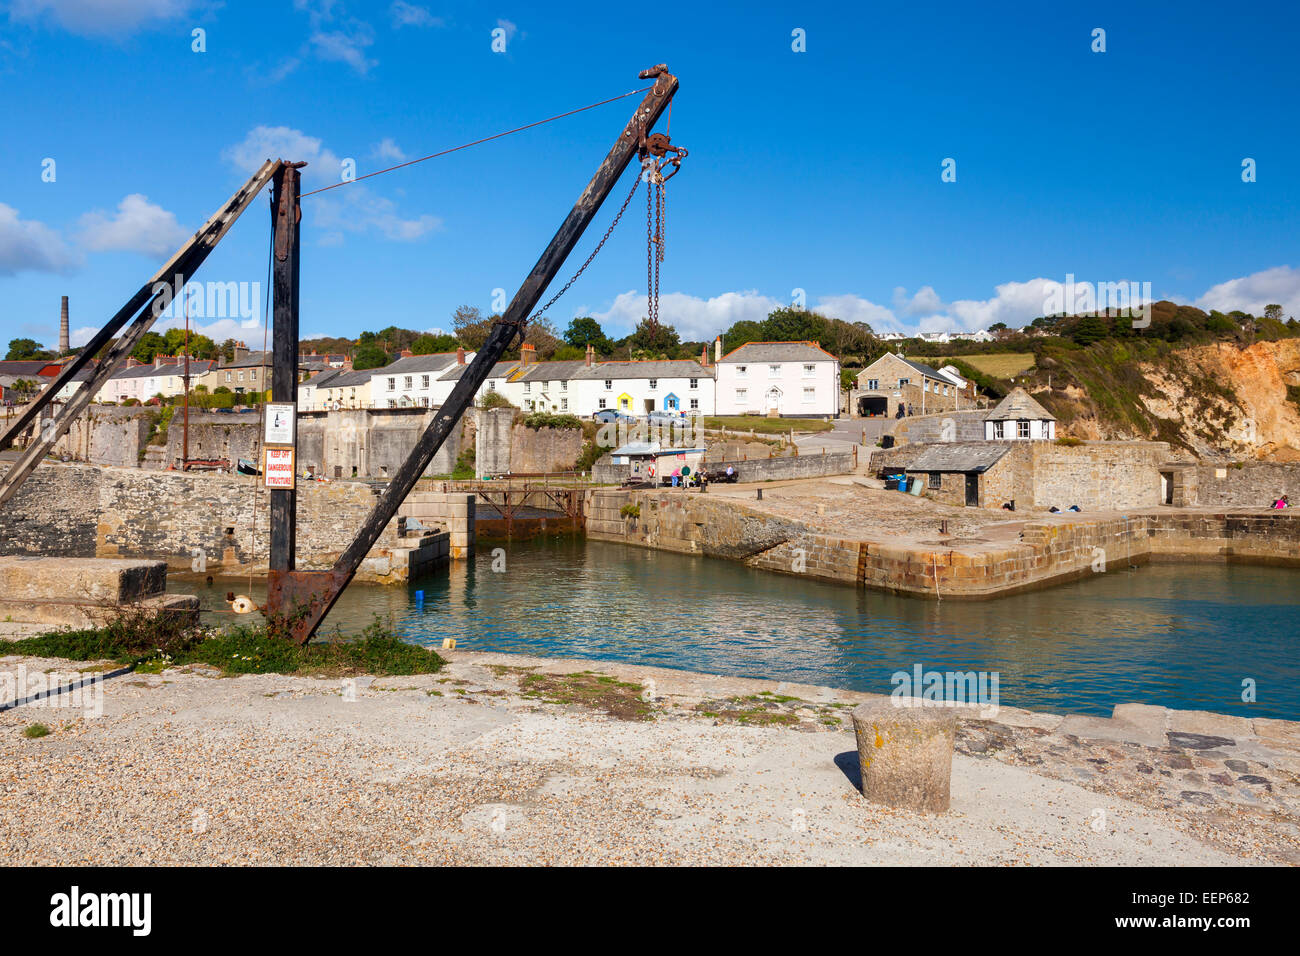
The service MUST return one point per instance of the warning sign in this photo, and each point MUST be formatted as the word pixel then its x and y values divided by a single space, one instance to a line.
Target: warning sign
pixel 277 468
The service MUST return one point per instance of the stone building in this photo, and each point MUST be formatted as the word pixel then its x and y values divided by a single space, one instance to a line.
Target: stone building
pixel 892 382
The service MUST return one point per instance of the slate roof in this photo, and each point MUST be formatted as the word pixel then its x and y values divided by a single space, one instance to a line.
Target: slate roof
pixel 778 352
pixel 250 360
pixel 551 371
pixel 970 457
pixel 23 366
pixel 436 362
pixel 669 368
pixel 350 379
pixel 453 374
pixel 1019 405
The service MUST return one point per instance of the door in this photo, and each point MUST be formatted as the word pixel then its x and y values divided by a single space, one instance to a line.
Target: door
pixel 773 401
pixel 972 491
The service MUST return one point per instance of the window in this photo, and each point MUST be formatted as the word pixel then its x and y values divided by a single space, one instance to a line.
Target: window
pixel 809 371
pixel 740 394
pixel 609 383
pixel 695 383
pixel 408 381
pixel 528 386
pixel 936 480
pixel 1022 429
pixel 873 384
pixel 600 403
pixel 997 430
pixel 252 375
pixel 695 404
pixel 392 384
pixel 742 371
pixel 564 386
pixel 654 383
pixel 241 376
pixel 492 386
pixel 774 371
pixel 903 381
pixel 424 381
pixel 926 385
pixel 564 404
pixel 228 377
pixel 392 403
pixel 810 394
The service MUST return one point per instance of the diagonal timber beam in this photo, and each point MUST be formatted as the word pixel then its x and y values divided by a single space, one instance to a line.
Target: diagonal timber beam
pixel 297 601
pixel 147 303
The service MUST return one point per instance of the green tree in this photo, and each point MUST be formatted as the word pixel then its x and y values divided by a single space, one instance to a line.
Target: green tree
pixel 369 356
pixel 584 331
pixel 26 349
pixel 653 341
pixel 427 344
pixel 1273 311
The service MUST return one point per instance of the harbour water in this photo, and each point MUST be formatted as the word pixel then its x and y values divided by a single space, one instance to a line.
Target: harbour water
pixel 1188 636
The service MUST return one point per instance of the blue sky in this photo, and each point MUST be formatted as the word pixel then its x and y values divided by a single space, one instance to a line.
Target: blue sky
pixel 816 170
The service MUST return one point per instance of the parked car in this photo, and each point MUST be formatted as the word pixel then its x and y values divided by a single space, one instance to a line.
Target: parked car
pixel 612 415
pixel 666 417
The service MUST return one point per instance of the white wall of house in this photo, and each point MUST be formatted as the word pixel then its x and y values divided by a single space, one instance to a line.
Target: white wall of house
pixel 694 395
pixel 1022 430
pixel 793 388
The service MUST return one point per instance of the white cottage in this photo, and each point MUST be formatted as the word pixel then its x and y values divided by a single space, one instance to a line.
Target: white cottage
pixel 792 379
pixel 1019 417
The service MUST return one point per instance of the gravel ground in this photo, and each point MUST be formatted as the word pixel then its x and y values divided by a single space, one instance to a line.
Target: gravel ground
pixel 512 760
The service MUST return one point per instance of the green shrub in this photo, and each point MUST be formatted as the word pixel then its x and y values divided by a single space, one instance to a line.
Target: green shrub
pixel 494 400
pixel 538 420
pixel 630 511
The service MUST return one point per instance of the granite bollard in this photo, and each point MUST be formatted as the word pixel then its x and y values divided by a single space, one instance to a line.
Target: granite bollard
pixel 905 753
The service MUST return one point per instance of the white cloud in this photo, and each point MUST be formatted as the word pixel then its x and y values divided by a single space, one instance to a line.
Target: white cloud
pixel 409 15
pixel 345 46
pixel 694 318
pixel 30 246
pixel 854 308
pixel 1251 293
pixel 139 226
pixel 100 17
pixel 388 149
pixel 354 208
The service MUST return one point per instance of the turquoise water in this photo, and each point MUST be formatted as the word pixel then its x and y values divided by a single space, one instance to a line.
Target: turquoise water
pixel 1179 635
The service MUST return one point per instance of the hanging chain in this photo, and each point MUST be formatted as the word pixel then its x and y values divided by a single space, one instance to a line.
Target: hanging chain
pixel 599 246
pixel 655 209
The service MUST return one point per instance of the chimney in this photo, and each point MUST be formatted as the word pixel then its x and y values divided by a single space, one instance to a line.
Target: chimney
pixel 347 363
pixel 158 360
pixel 132 361
pixel 527 354
pixel 241 351
pixel 717 349
pixel 64 344
pixel 406 353
pixel 590 350
pixel 704 355
pixel 460 355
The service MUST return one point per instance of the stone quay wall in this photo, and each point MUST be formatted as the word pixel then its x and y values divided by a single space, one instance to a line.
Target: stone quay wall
pixel 1048 552
pixel 1253 484
pixel 190 520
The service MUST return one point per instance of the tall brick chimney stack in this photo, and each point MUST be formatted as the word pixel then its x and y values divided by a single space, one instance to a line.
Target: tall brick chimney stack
pixel 406 353
pixel 527 354
pixel 704 355
pixel 590 354
pixel 717 350
pixel 460 355
pixel 64 343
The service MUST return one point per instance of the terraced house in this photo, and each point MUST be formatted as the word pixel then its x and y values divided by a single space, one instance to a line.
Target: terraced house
pixel 787 379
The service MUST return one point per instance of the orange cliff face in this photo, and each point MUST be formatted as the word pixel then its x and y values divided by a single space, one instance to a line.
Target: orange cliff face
pixel 1268 425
